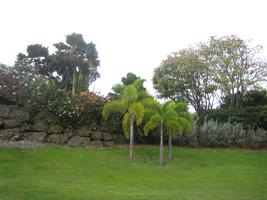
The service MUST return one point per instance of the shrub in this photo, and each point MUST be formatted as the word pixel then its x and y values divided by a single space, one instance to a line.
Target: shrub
pixel 216 134
pixel 18 84
pixel 248 116
pixel 70 110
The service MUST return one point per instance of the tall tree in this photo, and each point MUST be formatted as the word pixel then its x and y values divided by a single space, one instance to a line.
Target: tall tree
pixel 76 63
pixel 37 58
pixel 163 115
pixel 131 106
pixel 185 76
pixel 73 65
pixel 129 79
pixel 235 65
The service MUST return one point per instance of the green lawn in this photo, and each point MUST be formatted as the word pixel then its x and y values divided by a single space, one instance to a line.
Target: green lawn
pixel 72 173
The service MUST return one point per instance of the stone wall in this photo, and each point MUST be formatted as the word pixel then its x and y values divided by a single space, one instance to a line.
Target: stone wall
pixel 16 125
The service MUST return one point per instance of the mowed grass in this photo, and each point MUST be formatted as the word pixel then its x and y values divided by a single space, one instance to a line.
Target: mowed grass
pixel 52 173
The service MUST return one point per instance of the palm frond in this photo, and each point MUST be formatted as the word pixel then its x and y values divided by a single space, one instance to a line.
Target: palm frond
pixel 170 105
pixel 186 125
pixel 170 115
pixel 113 106
pixel 129 94
pixel 137 109
pixel 186 115
pixel 138 83
pixel 126 122
pixel 181 106
pixel 173 127
pixel 142 95
pixel 152 123
pixel 152 105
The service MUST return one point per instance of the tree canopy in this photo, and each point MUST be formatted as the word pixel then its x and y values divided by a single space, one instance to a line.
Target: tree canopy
pixel 73 65
pixel 222 67
pixel 185 76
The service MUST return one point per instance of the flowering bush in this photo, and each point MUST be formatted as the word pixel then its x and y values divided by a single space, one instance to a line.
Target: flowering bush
pixel 17 84
pixel 71 110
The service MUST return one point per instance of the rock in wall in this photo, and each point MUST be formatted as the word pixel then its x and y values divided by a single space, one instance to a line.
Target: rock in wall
pixel 16 125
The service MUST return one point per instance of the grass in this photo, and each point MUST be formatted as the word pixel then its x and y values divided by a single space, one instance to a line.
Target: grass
pixel 51 173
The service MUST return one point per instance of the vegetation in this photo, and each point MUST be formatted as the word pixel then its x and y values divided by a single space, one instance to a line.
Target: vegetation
pixel 224 70
pixel 131 106
pixel 74 63
pixel 184 76
pixel 60 173
pixel 166 117
pixel 225 67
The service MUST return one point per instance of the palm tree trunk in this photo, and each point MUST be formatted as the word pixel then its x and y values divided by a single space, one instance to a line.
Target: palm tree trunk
pixel 170 146
pixel 73 82
pixel 132 139
pixel 161 145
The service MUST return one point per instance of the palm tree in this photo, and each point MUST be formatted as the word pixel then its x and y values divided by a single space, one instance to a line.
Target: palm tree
pixel 130 105
pixel 163 115
pixel 184 119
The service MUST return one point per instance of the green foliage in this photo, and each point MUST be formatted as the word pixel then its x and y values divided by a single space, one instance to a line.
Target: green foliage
pixel 37 57
pixel 215 134
pixel 73 65
pixel 235 65
pixel 72 59
pixel 184 76
pixel 129 104
pixel 19 85
pixel 137 110
pixel 114 106
pixel 254 98
pixel 168 116
pixel 152 123
pixel 70 110
pixel 129 79
pixel 248 116
pixel 129 94
pixel 126 123
pixel 221 68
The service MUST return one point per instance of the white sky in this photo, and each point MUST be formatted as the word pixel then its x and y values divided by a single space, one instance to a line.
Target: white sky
pixel 130 35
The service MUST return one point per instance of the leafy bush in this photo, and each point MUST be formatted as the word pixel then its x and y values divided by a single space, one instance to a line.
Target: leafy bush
pixel 248 116
pixel 215 134
pixel 17 84
pixel 71 110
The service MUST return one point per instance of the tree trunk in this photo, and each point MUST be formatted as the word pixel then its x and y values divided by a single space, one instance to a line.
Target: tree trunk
pixel 170 146
pixel 161 145
pixel 73 82
pixel 132 139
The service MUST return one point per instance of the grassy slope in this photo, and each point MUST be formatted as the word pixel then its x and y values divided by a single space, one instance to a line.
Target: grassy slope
pixel 194 174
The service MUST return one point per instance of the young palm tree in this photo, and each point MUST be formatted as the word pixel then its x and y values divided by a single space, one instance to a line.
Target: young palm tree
pixel 130 105
pixel 184 119
pixel 163 115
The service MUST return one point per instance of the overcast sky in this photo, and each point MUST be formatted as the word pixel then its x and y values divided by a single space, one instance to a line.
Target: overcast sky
pixel 130 35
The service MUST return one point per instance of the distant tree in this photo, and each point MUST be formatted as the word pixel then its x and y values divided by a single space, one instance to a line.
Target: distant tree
pixel 129 79
pixel 185 76
pixel 236 67
pixel 37 58
pixel 131 106
pixel 75 63
pixel 254 98
pixel 251 98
